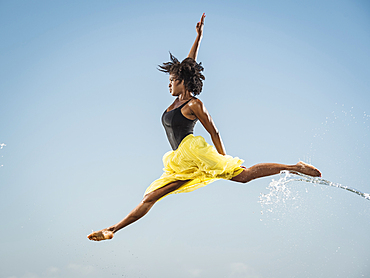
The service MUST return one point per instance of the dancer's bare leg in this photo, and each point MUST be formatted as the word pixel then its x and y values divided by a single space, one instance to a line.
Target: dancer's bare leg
pixel 145 205
pixel 268 169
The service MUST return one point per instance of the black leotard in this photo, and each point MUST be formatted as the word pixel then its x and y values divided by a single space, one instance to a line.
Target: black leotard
pixel 177 126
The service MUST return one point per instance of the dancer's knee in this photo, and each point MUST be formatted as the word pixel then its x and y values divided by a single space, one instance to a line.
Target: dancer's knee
pixel 154 196
pixel 150 198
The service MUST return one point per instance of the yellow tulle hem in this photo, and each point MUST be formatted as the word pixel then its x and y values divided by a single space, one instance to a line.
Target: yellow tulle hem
pixel 197 161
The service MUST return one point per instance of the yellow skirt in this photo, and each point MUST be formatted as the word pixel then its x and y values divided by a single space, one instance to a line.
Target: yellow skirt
pixel 197 161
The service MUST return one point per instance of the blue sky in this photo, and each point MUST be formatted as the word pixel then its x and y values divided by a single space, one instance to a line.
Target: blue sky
pixel 80 109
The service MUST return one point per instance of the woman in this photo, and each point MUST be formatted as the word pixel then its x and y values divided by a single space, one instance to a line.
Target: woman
pixel 193 163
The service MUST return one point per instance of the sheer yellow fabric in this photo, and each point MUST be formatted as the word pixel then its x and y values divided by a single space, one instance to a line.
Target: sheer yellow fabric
pixel 197 161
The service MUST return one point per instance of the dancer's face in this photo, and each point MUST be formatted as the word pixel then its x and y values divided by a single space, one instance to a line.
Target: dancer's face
pixel 176 87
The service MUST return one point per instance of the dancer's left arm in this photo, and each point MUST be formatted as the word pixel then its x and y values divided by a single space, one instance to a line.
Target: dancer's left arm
pixel 199 28
pixel 200 111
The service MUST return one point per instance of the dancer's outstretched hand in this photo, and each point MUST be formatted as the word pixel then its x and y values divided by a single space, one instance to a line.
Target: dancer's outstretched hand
pixel 200 25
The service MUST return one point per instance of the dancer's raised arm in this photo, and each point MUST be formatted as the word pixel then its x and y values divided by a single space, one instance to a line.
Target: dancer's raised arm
pixel 199 28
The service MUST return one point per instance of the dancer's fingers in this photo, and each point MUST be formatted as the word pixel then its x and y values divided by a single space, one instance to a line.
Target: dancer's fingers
pixel 202 18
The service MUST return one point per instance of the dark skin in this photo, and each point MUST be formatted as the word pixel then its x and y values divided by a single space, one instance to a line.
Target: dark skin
pixel 195 109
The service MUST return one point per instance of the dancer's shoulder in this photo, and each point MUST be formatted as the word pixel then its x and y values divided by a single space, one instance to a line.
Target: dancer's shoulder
pixel 196 105
pixel 195 102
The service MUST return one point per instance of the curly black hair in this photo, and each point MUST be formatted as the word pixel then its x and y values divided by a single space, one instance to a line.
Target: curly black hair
pixel 188 71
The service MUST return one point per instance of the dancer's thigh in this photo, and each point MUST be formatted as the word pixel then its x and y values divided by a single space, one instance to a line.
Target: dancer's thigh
pixel 244 176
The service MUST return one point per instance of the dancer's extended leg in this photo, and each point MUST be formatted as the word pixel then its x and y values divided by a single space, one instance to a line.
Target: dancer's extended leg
pixel 145 205
pixel 268 169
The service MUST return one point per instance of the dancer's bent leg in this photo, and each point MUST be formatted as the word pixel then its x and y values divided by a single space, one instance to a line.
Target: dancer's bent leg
pixel 268 169
pixel 145 205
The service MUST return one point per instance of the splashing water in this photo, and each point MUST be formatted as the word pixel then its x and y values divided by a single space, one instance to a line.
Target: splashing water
pixel 2 145
pixel 279 192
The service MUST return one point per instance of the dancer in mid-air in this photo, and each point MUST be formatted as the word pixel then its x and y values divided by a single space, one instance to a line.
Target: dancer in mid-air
pixel 193 163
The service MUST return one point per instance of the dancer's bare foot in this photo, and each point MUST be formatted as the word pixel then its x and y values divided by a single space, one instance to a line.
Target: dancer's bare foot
pixel 100 235
pixel 307 169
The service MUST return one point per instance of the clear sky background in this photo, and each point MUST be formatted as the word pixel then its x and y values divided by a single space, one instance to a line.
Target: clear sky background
pixel 80 107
